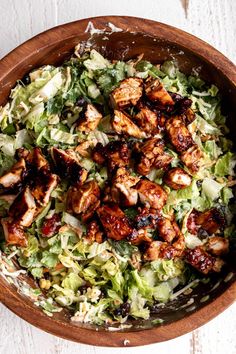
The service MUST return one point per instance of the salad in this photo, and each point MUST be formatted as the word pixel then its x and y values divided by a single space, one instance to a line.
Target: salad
pixel 116 185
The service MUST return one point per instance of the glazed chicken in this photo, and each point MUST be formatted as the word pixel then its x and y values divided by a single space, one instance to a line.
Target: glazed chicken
pixel 114 154
pixel 90 119
pixel 211 221
pixel 114 222
pixel 94 233
pixel 177 178
pixel 122 123
pixel 14 233
pixel 192 158
pixel 68 166
pixel 23 208
pixel 217 245
pixel 43 186
pixel 188 116
pixel 124 184
pixel 202 261
pixel 147 120
pixel 151 194
pixel 14 177
pixel 150 154
pixel 155 91
pixel 84 199
pixel 140 237
pixel 178 134
pixel 168 230
pixel 127 93
pixel 159 249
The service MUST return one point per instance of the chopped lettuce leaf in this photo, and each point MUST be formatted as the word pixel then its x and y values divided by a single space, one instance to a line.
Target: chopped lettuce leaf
pixel 225 165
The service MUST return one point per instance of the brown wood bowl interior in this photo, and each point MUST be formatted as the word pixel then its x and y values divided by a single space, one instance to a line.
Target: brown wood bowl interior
pixel 158 42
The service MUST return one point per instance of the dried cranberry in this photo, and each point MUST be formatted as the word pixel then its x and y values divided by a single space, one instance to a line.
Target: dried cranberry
pixel 123 310
pixel 51 225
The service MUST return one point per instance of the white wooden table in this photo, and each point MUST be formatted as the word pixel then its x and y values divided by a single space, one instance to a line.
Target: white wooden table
pixel 211 20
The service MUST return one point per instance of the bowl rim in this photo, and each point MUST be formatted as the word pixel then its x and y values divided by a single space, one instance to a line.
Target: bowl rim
pixel 9 296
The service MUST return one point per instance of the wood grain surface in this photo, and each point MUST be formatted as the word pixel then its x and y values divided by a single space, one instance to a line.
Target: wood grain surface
pixel 213 21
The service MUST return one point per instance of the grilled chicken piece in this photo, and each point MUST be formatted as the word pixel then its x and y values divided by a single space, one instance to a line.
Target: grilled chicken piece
pixel 90 120
pixel 67 166
pixel 122 123
pixel 140 237
pixel 114 154
pixel 94 234
pixel 14 233
pixel 202 261
pixel 127 93
pixel 124 183
pixel 154 250
pixel 155 91
pixel 177 178
pixel 43 187
pixel 13 177
pixel 158 249
pixel 99 154
pixel 115 222
pixel 150 154
pixel 23 208
pixel 35 160
pixel 147 120
pixel 211 220
pixel 167 229
pixel 147 218
pixel 151 194
pixel 178 134
pixel 84 199
pixel 192 158
pixel 188 116
pixel 217 245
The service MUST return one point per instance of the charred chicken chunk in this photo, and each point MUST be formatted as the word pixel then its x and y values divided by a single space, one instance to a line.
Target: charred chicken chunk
pixel 151 194
pixel 178 134
pixel 67 166
pixel 154 250
pixel 23 208
pixel 37 160
pixel 139 237
pixel 13 177
pixel 217 245
pixel 155 91
pixel 115 222
pixel 188 116
pixel 123 124
pixel 84 199
pixel 124 183
pixel 177 178
pixel 158 249
pixel 202 261
pixel 94 234
pixel 150 154
pixel 14 233
pixel 127 93
pixel 90 120
pixel 43 187
pixel 114 154
pixel 192 158
pixel 168 230
pixel 211 220
pixel 147 120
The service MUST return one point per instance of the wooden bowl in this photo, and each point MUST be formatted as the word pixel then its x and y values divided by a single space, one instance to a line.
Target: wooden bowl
pixel 158 42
